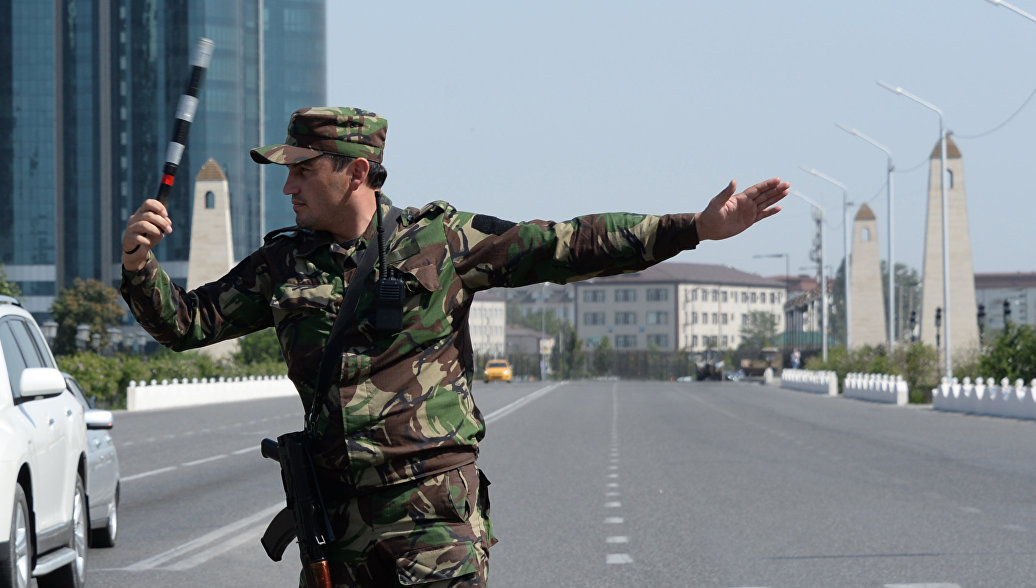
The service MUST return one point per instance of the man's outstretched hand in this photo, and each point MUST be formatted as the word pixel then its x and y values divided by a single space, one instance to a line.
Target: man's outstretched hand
pixel 728 213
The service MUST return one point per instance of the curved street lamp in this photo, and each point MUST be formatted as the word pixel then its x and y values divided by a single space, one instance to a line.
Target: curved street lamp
pixel 892 255
pixel 823 275
pixel 1013 8
pixel 845 250
pixel 948 360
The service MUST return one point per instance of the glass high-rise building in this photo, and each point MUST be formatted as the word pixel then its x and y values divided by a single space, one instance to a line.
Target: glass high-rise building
pixel 86 111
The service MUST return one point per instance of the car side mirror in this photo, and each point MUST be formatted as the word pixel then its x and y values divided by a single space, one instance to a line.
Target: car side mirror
pixel 41 382
pixel 97 419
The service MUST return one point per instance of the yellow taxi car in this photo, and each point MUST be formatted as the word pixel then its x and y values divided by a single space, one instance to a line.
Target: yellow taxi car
pixel 497 369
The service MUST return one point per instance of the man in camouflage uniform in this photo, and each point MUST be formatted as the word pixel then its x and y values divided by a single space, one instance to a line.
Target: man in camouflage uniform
pixel 397 431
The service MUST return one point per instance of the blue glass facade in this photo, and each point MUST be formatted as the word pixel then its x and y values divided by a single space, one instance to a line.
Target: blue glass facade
pixel 87 111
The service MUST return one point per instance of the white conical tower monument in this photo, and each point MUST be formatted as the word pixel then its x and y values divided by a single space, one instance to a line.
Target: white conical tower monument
pixel 868 312
pixel 963 319
pixel 212 244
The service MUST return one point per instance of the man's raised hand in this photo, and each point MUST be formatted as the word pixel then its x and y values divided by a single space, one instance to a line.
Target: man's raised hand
pixel 729 214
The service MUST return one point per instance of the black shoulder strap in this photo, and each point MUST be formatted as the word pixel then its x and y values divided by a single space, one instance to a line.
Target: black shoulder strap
pixel 333 347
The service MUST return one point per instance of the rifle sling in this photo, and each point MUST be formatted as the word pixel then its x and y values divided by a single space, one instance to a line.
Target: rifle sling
pixel 350 298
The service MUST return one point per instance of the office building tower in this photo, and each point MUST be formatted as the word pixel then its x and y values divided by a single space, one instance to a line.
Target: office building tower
pixel 86 112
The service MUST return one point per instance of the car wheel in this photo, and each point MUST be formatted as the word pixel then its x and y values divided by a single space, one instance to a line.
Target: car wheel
pixel 105 536
pixel 72 575
pixel 16 569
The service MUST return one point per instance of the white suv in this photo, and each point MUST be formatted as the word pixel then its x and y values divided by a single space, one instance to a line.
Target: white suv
pixel 43 521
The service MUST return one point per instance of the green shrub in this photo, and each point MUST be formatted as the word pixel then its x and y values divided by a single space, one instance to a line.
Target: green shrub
pixel 105 378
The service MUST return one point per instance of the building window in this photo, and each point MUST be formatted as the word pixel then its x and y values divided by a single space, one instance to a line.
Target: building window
pixel 753 298
pixel 593 318
pixel 657 294
pixel 744 297
pixel 625 318
pixel 704 318
pixel 658 317
pixel 210 200
pixel 865 235
pixel 625 341
pixel 694 340
pixel 593 295
pixel 724 343
pixel 715 318
pixel 694 318
pixel 724 296
pixel 694 295
pixel 625 295
pixel 658 340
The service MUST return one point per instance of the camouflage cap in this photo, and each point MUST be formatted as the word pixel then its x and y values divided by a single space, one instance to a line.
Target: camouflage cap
pixel 313 131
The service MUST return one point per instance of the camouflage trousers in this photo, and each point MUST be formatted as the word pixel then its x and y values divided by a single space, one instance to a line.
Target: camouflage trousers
pixel 434 532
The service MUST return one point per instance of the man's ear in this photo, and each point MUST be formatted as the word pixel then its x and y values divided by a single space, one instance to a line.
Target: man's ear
pixel 358 170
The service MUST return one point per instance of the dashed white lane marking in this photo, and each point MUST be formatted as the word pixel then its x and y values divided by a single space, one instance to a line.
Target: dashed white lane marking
pixel 613 489
pixel 922 585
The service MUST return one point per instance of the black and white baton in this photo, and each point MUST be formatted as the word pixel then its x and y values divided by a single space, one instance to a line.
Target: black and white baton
pixel 185 110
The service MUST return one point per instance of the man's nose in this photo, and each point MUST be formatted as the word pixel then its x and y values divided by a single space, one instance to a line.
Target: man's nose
pixel 290 186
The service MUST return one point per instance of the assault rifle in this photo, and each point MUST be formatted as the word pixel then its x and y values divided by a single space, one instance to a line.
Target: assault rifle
pixel 305 516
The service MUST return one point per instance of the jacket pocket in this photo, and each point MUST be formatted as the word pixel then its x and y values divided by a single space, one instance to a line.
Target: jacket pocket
pixel 441 562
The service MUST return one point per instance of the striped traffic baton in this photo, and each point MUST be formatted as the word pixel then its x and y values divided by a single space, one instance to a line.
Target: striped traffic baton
pixel 185 110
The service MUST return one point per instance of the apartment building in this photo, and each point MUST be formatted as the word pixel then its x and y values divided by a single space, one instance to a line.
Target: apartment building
pixel 675 306
pixel 487 325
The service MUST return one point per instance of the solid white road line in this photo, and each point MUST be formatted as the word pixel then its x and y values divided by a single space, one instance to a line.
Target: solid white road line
pixel 506 410
pixel 146 474
pixel 205 540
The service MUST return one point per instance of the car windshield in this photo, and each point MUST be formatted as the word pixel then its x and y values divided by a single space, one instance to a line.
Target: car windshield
pixel 498 364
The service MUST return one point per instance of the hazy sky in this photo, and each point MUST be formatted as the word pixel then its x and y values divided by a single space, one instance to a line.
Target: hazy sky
pixel 539 109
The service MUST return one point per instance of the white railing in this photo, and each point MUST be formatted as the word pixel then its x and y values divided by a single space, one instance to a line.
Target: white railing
pixel 986 397
pixel 155 395
pixel 816 382
pixel 877 388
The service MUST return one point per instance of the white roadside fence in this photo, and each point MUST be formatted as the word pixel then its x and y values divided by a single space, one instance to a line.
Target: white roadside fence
pixel 810 381
pixel 877 388
pixel 986 397
pixel 155 395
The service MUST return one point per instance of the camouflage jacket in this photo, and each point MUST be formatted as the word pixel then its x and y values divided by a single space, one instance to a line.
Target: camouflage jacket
pixel 400 406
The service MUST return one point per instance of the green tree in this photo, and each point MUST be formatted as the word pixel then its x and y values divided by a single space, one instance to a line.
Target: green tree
pixel 908 296
pixel 91 303
pixel 1012 354
pixel 6 287
pixel 259 347
pixel 758 331
pixel 569 358
pixel 603 358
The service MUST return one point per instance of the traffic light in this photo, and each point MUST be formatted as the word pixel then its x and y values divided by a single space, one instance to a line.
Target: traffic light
pixel 938 317
pixel 1007 311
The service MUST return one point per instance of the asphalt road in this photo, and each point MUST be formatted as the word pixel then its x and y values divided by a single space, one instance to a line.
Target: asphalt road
pixel 603 484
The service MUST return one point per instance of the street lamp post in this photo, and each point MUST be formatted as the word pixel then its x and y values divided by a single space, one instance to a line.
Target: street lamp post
pixel 823 276
pixel 845 251
pixel 787 275
pixel 948 360
pixel 1013 8
pixel 892 255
